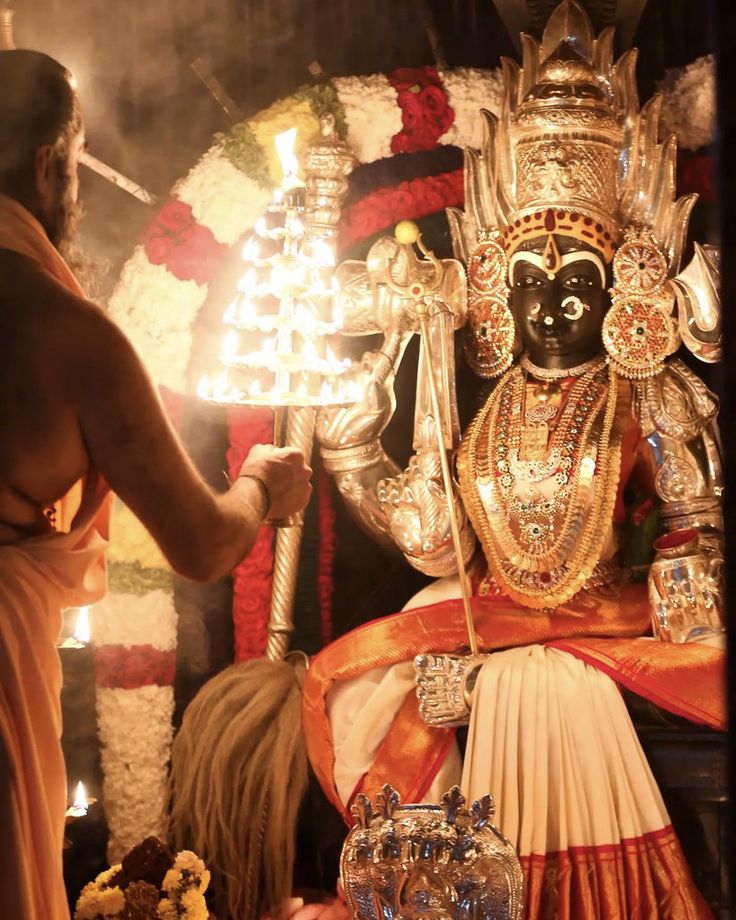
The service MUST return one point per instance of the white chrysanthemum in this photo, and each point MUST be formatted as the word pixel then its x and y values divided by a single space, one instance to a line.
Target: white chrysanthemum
pixel 689 103
pixel 156 311
pixel 187 861
pixel 167 910
pixel 104 877
pixel 469 91
pixel 129 619
pixel 94 902
pixel 136 733
pixel 171 881
pixel 222 197
pixel 372 113
pixel 194 905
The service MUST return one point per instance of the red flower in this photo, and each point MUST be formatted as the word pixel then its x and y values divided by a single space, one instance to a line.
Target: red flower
pixel 414 77
pixel 408 200
pixel 326 553
pixel 425 114
pixel 187 248
pixel 130 667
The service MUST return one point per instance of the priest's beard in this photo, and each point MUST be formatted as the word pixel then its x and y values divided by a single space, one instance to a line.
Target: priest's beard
pixel 62 227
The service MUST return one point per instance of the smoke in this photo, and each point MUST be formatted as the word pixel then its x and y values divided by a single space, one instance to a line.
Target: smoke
pixel 145 112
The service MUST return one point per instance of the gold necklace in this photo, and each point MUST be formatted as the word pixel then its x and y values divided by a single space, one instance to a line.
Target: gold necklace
pixel 542 546
pixel 559 373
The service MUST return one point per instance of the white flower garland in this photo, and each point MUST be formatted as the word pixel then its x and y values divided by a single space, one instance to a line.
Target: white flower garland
pixel 222 197
pixel 469 91
pixel 136 733
pixel 156 310
pixel 132 619
pixel 371 113
pixel 689 103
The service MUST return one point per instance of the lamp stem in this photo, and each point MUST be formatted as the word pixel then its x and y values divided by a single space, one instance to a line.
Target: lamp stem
pixel 293 427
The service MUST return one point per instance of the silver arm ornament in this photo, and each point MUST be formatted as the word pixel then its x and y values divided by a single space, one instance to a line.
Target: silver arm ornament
pixel 678 417
pixel 350 440
pixel 699 304
pixel 383 295
pixel 415 506
pixel 445 685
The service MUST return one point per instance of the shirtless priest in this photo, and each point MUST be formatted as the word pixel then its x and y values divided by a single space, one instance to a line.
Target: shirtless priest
pixel 79 416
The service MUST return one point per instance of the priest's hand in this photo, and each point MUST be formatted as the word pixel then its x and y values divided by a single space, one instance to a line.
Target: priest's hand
pixel 283 477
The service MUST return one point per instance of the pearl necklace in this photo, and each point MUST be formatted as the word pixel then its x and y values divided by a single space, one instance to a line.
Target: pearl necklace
pixel 558 373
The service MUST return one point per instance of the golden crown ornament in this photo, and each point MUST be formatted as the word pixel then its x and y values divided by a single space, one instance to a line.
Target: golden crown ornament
pixel 573 154
pixel 406 862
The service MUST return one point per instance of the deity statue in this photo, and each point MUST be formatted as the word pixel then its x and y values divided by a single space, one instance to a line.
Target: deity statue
pixel 569 297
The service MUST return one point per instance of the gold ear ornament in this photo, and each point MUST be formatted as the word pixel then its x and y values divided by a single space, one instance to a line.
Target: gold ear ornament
pixel 491 339
pixel 639 330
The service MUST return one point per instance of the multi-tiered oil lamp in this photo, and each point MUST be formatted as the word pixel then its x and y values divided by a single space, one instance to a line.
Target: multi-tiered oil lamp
pixel 276 351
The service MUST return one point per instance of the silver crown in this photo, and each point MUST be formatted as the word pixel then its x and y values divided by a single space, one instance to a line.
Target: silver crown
pixel 443 862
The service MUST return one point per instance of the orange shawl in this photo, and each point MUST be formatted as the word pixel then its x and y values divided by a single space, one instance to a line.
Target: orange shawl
pixel 688 680
pixel 39 577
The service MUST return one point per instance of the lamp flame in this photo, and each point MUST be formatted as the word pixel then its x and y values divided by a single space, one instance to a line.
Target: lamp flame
pixel 251 249
pixel 80 798
pixel 230 313
pixel 81 629
pixel 285 149
pixel 230 344
pixel 249 282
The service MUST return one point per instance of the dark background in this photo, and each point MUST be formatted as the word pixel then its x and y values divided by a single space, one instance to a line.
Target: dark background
pixel 150 117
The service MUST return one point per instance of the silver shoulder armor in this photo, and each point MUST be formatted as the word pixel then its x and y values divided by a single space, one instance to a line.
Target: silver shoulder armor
pixel 677 414
pixel 676 403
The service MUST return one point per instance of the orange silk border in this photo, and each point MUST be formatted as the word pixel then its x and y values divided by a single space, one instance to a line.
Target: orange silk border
pixel 648 872
pixel 589 626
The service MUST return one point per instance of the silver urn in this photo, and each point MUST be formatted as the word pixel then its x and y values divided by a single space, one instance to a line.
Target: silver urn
pixel 685 588
pixel 443 862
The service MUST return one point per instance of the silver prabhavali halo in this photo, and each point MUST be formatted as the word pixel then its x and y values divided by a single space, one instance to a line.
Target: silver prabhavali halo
pixel 443 862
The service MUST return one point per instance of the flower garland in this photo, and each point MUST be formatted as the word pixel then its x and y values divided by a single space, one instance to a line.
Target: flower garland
pixel 425 117
pixel 689 103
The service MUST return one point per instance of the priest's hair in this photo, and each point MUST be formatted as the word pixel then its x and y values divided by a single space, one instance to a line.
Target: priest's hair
pixel 38 107
pixel 239 773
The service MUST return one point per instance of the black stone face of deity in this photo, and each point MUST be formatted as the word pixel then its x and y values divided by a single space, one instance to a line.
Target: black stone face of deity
pixel 559 315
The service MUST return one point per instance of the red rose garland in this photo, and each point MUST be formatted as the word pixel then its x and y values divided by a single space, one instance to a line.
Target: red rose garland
pixel 412 199
pixel 120 667
pixel 188 249
pixel 326 553
pixel 425 112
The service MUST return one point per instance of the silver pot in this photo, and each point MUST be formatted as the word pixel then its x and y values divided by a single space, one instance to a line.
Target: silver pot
pixel 442 862
pixel 685 589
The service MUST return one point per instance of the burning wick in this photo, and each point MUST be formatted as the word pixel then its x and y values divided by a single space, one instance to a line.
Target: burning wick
pixel 81 803
pixel 81 635
pixel 289 162
pixel 81 629
pixel 112 175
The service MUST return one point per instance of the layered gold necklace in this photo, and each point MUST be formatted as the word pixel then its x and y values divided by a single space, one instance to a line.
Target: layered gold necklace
pixel 541 502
